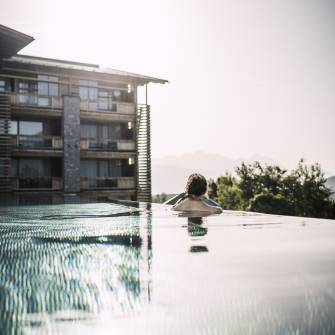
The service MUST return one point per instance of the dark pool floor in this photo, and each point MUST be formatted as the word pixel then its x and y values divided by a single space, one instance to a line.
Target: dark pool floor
pixel 107 268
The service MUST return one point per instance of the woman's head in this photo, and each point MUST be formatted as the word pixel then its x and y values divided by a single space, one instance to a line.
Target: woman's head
pixel 196 185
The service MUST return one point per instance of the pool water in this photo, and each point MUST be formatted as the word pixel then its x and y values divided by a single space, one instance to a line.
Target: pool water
pixel 108 268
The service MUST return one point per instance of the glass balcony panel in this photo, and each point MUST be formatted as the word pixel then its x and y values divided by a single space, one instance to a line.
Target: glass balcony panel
pixel 27 99
pixel 92 105
pixel 35 142
pixel 100 144
pixel 35 182
pixel 102 182
pixel 107 183
pixel 44 101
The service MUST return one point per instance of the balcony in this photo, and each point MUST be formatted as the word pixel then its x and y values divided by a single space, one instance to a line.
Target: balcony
pixel 29 100
pixel 106 105
pixel 106 145
pixel 37 142
pixel 37 183
pixel 87 183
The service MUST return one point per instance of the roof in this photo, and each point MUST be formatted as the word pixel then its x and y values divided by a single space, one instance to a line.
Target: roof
pixel 69 65
pixel 12 41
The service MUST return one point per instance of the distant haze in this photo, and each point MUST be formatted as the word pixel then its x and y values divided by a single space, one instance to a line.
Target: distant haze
pixel 169 174
pixel 246 76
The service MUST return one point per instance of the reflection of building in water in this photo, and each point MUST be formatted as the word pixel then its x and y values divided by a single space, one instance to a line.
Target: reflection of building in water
pixel 145 250
pixel 71 267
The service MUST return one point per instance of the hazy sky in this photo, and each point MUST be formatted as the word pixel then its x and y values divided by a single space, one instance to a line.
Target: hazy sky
pixel 245 76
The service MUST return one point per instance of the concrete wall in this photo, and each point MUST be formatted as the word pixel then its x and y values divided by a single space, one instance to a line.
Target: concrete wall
pixel 71 144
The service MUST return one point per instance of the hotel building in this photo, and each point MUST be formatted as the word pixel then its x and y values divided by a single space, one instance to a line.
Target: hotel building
pixel 71 127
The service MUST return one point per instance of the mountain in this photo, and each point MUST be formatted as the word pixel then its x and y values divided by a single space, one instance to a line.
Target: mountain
pixel 169 174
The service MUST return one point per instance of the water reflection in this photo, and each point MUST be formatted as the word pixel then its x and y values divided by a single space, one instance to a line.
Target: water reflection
pixel 198 248
pixel 71 268
pixel 195 228
pixel 87 269
pixel 196 231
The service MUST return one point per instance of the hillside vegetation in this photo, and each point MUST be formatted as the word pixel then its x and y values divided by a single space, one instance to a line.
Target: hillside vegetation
pixel 270 189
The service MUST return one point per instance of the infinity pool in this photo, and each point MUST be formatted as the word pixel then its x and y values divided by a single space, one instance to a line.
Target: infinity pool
pixel 108 268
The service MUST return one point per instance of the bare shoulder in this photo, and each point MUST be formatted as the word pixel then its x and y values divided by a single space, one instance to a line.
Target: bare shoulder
pixel 180 205
pixel 193 205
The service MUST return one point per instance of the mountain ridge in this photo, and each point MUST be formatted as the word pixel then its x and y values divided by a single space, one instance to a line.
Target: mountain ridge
pixel 181 166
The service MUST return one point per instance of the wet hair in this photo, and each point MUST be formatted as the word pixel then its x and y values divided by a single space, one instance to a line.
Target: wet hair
pixel 196 185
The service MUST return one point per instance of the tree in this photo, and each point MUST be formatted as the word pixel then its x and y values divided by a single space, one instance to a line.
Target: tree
pixel 271 204
pixel 271 189
pixel 229 193
pixel 212 189
pixel 309 194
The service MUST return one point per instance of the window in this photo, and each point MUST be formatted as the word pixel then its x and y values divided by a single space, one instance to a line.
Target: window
pixel 2 85
pixel 106 101
pixel 115 132
pixel 101 168
pixel 88 168
pixel 123 95
pixel 36 173
pixel 47 87
pixel 13 127
pixel 104 169
pixel 31 168
pixel 103 100
pixel 88 90
pixel 117 94
pixel 23 87
pixel 128 169
pixel 88 131
pixel 31 128
pixel 27 92
pixel 116 167
pixel 14 167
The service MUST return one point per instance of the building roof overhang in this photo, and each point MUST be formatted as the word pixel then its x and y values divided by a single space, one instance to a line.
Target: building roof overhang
pixel 12 41
pixel 82 67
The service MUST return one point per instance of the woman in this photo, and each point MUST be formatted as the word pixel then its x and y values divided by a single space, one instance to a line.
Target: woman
pixel 196 187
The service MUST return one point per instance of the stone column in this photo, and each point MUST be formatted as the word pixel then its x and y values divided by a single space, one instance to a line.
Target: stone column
pixel 71 144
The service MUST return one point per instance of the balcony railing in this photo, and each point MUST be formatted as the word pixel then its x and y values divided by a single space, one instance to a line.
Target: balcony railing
pixel 56 102
pixel 37 142
pixel 106 145
pixel 107 183
pixel 106 105
pixel 50 183
pixel 36 100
